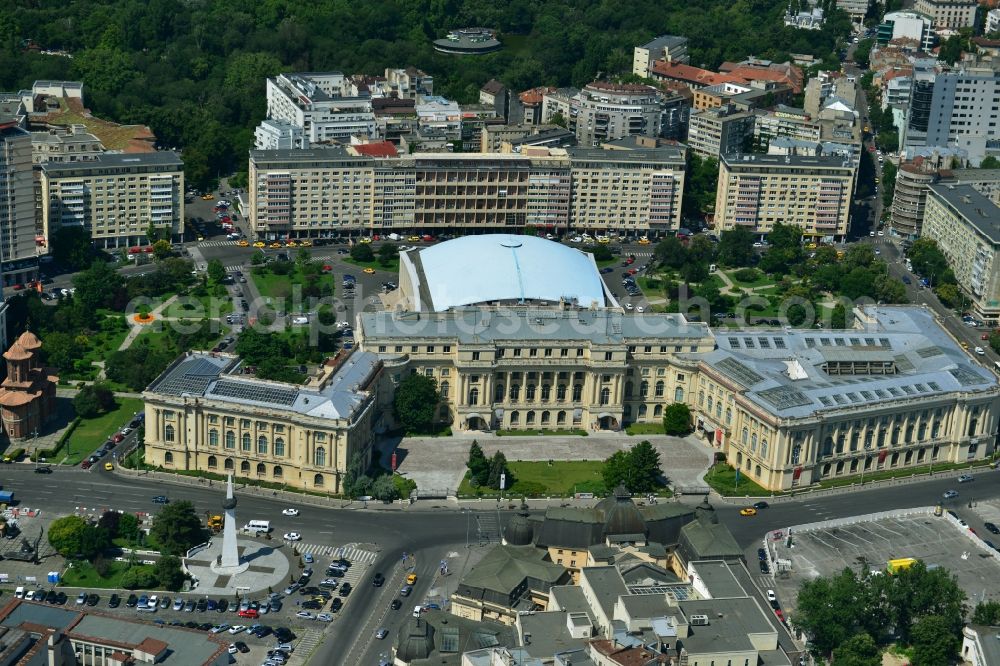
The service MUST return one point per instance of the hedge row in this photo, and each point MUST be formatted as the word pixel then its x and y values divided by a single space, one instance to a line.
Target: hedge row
pixel 50 454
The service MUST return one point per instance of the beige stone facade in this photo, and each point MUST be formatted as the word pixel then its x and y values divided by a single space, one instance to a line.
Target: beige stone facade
pixel 302 437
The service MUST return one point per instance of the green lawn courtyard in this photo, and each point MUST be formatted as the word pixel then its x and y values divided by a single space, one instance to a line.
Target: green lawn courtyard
pixel 89 434
pixel 560 478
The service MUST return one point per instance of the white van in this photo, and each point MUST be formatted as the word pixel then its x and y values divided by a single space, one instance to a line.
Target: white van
pixel 258 526
pixel 417 610
pixel 19 593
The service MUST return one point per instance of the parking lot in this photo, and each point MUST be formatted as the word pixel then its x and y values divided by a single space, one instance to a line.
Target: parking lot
pixel 304 611
pixel 936 540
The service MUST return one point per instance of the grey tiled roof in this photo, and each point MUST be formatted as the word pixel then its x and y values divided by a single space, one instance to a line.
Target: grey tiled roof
pixel 927 362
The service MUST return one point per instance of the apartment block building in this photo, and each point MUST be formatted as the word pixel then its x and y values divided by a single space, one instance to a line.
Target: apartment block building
pixel 409 82
pixel 811 192
pixel 609 111
pixel 909 200
pixel 665 47
pixel 948 14
pixel 627 191
pixel 907 25
pixel 966 226
pixel 324 192
pixel 963 105
pixel 18 247
pixel 717 131
pixel 785 121
pixel 324 105
pixel 117 197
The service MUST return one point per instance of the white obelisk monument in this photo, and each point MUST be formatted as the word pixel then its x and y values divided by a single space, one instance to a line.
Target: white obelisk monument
pixel 229 562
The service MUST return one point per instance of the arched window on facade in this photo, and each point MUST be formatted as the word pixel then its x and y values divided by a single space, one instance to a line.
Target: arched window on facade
pixel 245 441
pixel 228 464
pixel 168 433
pixel 212 462
pixel 244 467
pixel 678 394
pixel 279 446
pixel 168 458
pixel 473 396
pixel 605 395
pixel 261 444
pixel 261 469
pixel 213 437
pixel 319 458
pixel 230 439
pixel 318 481
pixel 278 472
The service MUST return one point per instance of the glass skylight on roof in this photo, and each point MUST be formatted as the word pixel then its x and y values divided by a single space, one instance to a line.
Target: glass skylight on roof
pixel 749 343
pixel 810 342
pixel 840 342
pixel 907 389
pixel 779 343
pixel 826 401
pixel 839 399
pixel 856 342
pixel 734 343
pixel 764 343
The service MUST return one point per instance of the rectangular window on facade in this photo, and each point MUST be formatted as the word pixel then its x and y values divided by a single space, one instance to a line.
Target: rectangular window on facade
pixel 475 356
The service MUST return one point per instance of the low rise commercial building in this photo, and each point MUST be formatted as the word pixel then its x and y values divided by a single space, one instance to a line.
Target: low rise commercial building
pixel 60 636
pixel 65 144
pixel 856 9
pixel 409 83
pixel 907 25
pixel 209 412
pixel 279 135
pixel 117 197
pixel 966 226
pixel 322 104
pixel 757 191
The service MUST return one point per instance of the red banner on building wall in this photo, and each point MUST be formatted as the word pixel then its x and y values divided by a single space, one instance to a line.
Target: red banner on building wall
pixel 797 473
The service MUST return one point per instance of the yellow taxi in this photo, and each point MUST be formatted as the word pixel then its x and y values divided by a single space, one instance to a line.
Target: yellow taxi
pixel 244 243
pixel 291 244
pixel 365 240
pixel 965 346
pixel 207 197
pixel 811 246
pixel 201 238
pixel 748 511
pixel 413 239
pixel 411 579
pixel 644 241
pixel 108 466
pixel 275 245
pixel 369 271
pixel 260 244
pixel 305 243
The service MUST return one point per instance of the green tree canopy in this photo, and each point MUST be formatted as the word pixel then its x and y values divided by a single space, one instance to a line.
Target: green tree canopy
pixel 387 253
pixel 858 650
pixel 71 246
pixel 736 247
pixel 216 271
pixel 168 573
pixel 177 528
pixel 638 469
pixel 362 252
pixel 478 464
pixel 935 641
pixel 499 471
pixel 416 403
pixel 677 419
pixel 66 535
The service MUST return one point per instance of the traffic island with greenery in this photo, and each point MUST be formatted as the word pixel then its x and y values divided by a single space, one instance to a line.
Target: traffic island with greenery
pixel 730 482
pixel 386 259
pixel 289 280
pixel 850 618
pixel 375 482
pixel 90 550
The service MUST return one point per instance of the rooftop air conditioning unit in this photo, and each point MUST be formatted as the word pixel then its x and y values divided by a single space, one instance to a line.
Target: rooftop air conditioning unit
pixel 699 620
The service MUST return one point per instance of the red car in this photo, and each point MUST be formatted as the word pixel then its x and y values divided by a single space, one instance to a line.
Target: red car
pixel 630 260
pixel 632 271
pixel 117 438
pixel 18 287
pixel 85 464
pixel 781 616
pixel 250 613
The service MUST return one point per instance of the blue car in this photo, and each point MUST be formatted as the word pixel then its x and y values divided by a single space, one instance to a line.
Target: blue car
pixel 308 558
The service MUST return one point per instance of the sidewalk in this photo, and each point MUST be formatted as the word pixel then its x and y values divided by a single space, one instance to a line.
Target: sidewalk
pixel 138 328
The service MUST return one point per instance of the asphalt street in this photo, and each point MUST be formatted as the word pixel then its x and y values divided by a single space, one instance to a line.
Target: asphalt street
pixel 427 532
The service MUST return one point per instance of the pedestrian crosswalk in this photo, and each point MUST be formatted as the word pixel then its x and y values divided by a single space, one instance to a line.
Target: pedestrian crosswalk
pixel 353 554
pixel 306 643
pixel 234 267
pixel 217 243
pixel 487 527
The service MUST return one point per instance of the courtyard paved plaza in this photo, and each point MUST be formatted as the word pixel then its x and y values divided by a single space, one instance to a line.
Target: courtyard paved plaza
pixel 437 464
pixel 936 540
